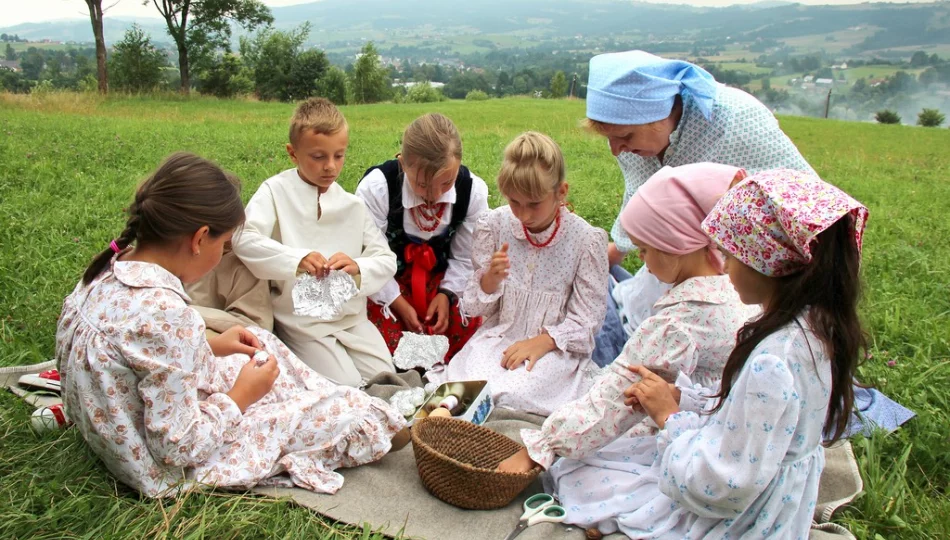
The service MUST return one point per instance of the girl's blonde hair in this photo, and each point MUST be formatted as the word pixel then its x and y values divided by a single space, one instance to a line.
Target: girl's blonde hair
pixel 533 166
pixel 428 144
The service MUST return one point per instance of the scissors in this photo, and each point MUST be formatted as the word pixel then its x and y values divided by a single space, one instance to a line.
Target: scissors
pixel 538 508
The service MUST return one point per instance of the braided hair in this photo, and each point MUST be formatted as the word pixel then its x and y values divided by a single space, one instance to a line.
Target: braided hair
pixel 185 193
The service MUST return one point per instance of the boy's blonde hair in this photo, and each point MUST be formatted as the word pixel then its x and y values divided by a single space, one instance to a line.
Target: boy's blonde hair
pixel 533 166
pixel 318 115
pixel 429 142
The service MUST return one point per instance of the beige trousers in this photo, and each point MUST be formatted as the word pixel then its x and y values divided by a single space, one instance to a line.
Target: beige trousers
pixel 230 295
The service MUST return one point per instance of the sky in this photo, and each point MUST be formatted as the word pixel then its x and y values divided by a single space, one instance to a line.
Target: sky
pixel 19 11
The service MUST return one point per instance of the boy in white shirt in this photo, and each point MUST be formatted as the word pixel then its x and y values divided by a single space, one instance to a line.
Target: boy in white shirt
pixel 301 220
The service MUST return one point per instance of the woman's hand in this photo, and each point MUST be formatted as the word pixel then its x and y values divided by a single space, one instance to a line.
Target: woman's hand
pixel 235 340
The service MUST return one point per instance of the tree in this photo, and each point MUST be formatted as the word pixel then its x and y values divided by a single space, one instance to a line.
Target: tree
pixel 919 59
pixel 558 85
pixel 766 84
pixel 274 55
pixel 308 68
pixel 423 92
pixel 10 53
pixel 464 82
pixel 928 76
pixel 95 17
pixel 476 95
pixel 930 118
pixel 333 86
pixel 503 85
pixel 136 65
pixel 226 77
pixel 31 63
pixel 201 26
pixel 887 116
pixel 369 80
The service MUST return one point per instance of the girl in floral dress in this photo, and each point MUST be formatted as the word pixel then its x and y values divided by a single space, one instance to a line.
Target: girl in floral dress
pixel 747 463
pixel 167 409
pixel 540 272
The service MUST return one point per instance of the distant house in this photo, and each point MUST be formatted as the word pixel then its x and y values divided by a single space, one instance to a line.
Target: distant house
pixel 809 78
pixel 876 82
pixel 10 65
pixel 825 82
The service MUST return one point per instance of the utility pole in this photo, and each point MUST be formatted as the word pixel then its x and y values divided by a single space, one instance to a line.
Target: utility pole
pixel 828 103
pixel 570 94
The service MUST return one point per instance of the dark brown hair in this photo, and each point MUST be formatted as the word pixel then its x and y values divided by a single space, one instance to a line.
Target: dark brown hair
pixel 829 288
pixel 185 193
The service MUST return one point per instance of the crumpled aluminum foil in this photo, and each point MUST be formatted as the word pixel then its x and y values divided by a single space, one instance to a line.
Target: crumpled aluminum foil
pixel 323 298
pixel 407 401
pixel 420 350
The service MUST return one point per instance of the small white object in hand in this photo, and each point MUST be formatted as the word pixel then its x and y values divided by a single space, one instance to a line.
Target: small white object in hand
pixel 323 298
pixel 261 357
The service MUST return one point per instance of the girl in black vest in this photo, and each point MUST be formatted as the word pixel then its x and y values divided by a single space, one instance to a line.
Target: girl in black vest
pixel 425 202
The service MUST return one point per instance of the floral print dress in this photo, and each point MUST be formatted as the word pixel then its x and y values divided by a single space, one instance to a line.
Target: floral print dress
pixel 749 470
pixel 558 289
pixel 692 334
pixel 148 395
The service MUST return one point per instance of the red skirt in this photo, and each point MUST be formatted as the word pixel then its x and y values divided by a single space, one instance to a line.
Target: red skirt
pixel 392 330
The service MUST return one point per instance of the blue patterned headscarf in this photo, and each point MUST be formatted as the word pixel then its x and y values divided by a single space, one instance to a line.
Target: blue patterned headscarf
pixel 635 87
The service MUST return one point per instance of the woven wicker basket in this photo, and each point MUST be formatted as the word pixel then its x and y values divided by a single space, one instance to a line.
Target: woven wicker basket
pixel 457 461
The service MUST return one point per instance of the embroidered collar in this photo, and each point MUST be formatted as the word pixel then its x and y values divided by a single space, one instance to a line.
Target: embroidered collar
pixel 708 290
pixel 411 200
pixel 143 275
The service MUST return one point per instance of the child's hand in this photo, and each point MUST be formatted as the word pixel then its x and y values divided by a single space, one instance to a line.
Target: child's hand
pixel 314 264
pixel 439 307
pixel 631 400
pixel 406 314
pixel 614 255
pixel 521 462
pixel 235 340
pixel 342 261
pixel 254 382
pixel 528 350
pixel 497 270
pixel 653 395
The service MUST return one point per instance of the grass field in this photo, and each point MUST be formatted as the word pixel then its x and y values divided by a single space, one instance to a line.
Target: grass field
pixel 71 162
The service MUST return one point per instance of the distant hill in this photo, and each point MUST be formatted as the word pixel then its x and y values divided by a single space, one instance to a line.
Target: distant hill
pixel 405 21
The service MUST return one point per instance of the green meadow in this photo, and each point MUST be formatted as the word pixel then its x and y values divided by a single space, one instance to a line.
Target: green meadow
pixel 69 164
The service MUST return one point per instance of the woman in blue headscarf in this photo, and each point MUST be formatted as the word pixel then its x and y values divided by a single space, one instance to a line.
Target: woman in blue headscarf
pixel 657 112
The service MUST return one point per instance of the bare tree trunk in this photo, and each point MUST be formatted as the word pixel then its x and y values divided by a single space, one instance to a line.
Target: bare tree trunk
pixel 183 69
pixel 95 16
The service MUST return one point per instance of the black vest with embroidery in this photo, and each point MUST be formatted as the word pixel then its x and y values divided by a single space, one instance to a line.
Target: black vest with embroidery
pixel 395 229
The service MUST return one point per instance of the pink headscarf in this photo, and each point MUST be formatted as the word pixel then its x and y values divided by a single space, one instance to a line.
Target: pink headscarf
pixel 770 220
pixel 667 211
